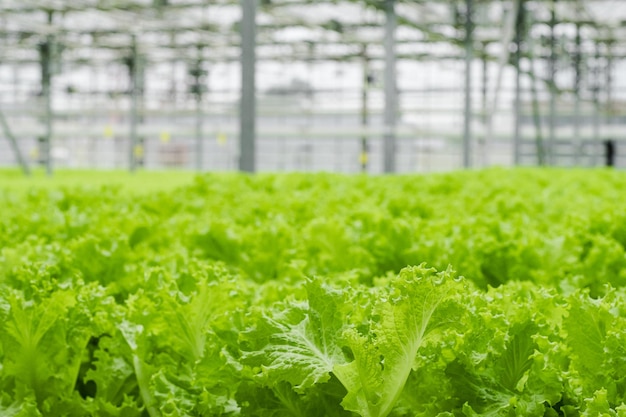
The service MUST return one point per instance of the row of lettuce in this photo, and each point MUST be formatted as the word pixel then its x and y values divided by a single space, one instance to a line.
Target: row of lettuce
pixel 290 295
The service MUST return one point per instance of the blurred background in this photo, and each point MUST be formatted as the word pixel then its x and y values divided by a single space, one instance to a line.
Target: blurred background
pixel 299 85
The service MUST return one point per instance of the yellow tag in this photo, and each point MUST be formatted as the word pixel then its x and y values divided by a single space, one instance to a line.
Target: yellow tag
pixel 222 138
pixel 363 157
pixel 108 132
pixel 34 153
pixel 138 151
pixel 165 136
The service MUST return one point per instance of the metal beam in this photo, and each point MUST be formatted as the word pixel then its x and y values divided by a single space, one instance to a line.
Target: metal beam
pixel 391 92
pixel 247 115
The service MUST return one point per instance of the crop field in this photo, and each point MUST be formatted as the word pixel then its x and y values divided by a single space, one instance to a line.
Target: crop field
pixel 479 293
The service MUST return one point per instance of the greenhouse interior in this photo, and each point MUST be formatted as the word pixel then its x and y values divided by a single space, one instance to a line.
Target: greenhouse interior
pixel 298 85
pixel 301 208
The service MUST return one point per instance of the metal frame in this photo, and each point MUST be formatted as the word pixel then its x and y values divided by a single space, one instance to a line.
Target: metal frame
pixel 204 33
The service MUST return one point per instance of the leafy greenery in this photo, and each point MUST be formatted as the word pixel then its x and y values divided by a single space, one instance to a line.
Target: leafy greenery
pixel 479 293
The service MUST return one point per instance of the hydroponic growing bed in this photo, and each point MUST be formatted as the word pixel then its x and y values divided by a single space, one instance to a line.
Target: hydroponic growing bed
pixel 486 293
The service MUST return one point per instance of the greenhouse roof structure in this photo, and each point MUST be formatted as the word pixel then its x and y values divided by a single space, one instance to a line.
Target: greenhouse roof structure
pixel 143 32
pixel 287 29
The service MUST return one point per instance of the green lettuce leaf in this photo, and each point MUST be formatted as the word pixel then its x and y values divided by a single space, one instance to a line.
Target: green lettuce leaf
pixel 415 304
pixel 301 341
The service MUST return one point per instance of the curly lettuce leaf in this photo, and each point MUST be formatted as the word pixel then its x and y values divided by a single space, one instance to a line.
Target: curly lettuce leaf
pixel 511 361
pixel 300 343
pixel 415 304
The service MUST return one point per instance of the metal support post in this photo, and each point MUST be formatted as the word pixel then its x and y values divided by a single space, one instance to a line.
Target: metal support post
pixel 609 84
pixel 609 141
pixel 539 142
pixel 484 91
pixel 596 96
pixel 482 140
pixel 47 52
pixel 47 98
pixel 391 92
pixel 199 135
pixel 247 115
pixel 173 93
pixel 469 56
pixel 552 84
pixel 199 90
pixel 577 82
pixel 134 96
pixel 519 31
pixel 534 94
pixel 364 156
